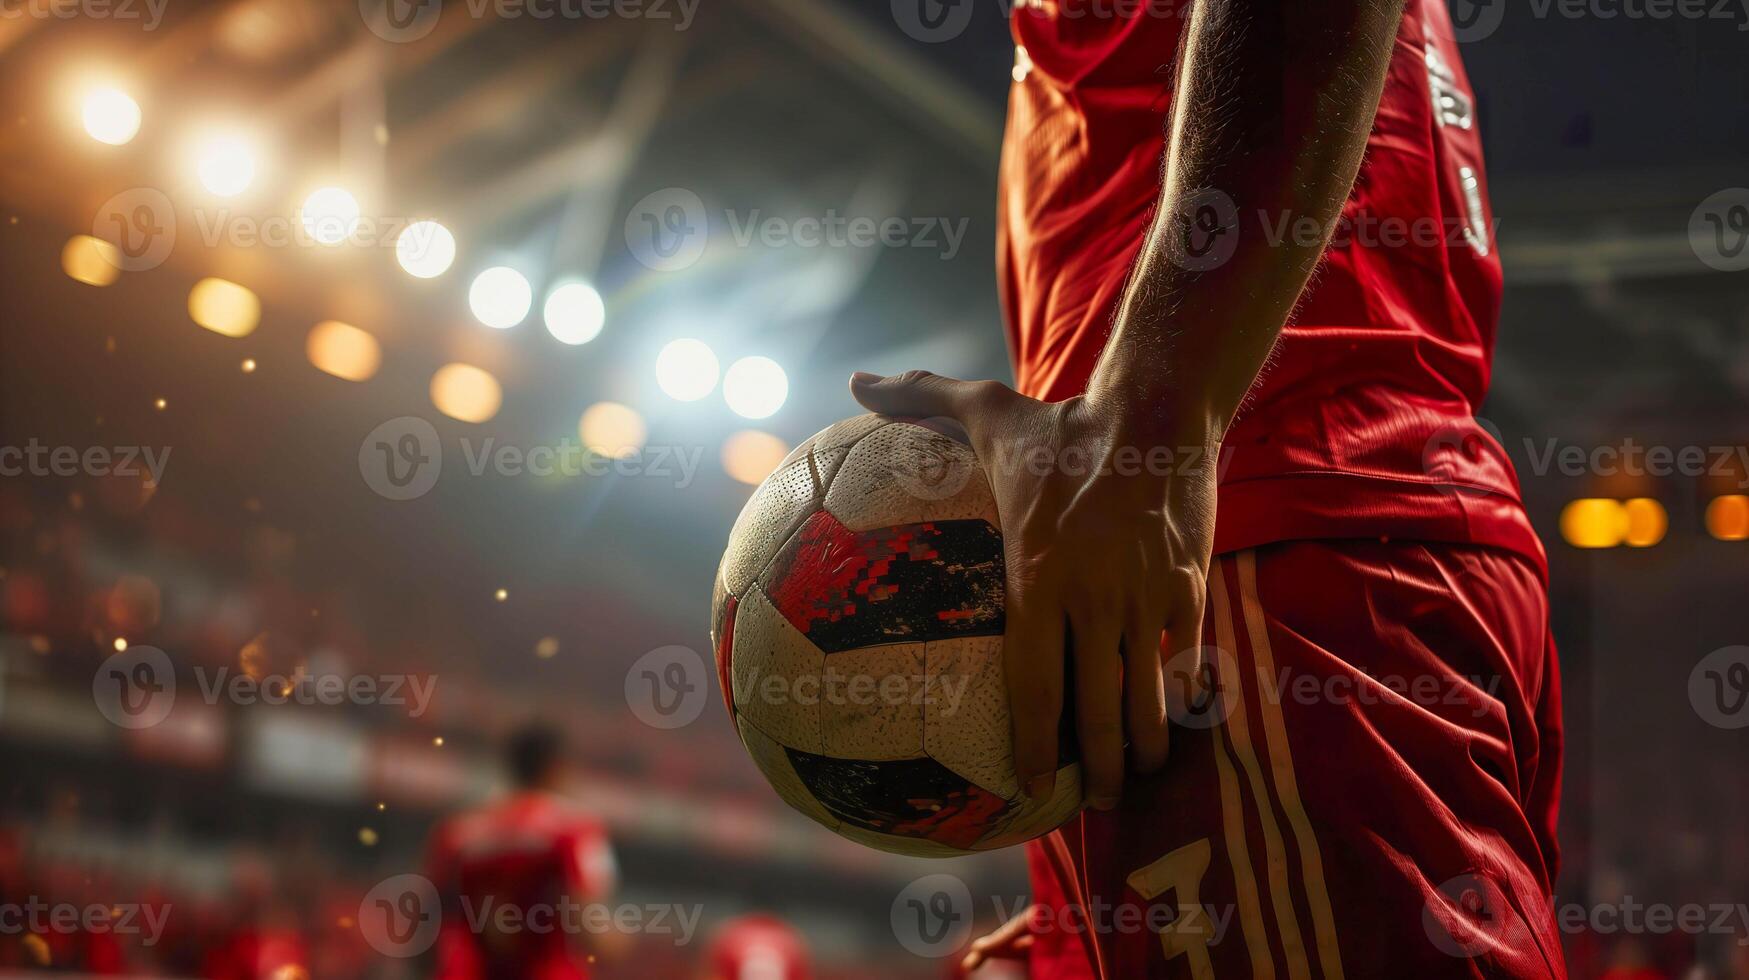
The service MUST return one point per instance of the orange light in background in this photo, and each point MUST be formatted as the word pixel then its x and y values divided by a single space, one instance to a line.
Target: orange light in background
pixel 110 115
pixel 465 392
pixel 343 350
pixel 330 215
pixel 224 307
pixel 749 456
pixel 612 430
pixel 1647 522
pixel 1594 523
pixel 91 261
pixel 225 164
pixel 1727 517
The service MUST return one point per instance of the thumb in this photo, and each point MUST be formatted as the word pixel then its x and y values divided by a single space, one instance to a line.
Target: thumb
pixel 914 393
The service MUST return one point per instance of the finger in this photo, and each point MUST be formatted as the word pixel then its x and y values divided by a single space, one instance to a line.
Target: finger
pixel 984 951
pixel 917 393
pixel 1032 660
pixel 1009 941
pixel 1099 704
pixel 1186 598
pixel 1144 686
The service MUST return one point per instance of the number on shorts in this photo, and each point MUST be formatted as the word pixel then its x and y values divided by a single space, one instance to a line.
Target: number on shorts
pixel 1180 872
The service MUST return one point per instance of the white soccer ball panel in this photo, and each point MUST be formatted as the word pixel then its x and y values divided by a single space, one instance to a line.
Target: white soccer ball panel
pixel 774 763
pixel 966 725
pixel 775 674
pixel 1030 820
pixel 777 507
pixel 871 703
pixel 907 474
pixel 843 435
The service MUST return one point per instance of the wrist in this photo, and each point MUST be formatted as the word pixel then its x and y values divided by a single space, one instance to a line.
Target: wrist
pixel 1159 416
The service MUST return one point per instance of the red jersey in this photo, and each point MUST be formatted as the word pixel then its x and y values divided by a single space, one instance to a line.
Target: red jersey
pixel 1363 424
pixel 255 952
pixel 757 947
pixel 514 878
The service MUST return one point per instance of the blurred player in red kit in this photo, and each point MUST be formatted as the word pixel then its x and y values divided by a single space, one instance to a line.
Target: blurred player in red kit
pixel 757 947
pixel 516 877
pixel 1259 233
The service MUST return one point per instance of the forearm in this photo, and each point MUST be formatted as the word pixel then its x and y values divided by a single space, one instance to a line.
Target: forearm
pixel 1272 107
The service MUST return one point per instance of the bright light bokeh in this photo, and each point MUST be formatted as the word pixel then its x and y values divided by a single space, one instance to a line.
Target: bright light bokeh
pixel 465 392
pixel 1594 523
pixel 500 297
pixel 110 115
pixel 574 313
pixel 1727 517
pixel 225 165
pixel 750 456
pixel 91 261
pixel 1647 522
pixel 330 215
pixel 343 350
pixel 425 249
pixel 755 387
pixel 686 370
pixel 612 430
pixel 224 307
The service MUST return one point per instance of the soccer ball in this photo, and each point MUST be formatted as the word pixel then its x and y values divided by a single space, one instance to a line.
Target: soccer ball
pixel 857 622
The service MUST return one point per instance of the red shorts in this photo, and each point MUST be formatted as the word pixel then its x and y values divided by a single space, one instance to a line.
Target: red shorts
pixel 1369 790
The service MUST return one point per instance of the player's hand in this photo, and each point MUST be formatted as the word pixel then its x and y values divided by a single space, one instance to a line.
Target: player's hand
pixel 1107 523
pixel 1011 941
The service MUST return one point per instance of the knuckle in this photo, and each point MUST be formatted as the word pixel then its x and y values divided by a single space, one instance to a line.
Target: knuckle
pixel 987 391
pixel 1190 583
pixel 1103 726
